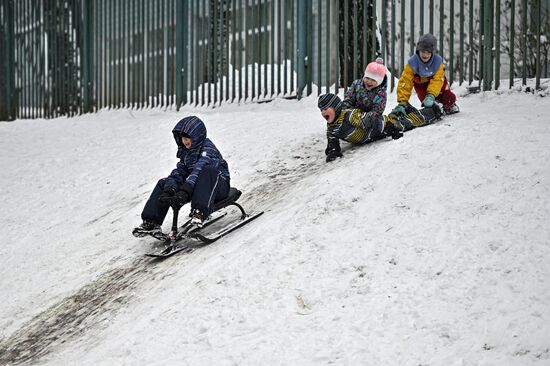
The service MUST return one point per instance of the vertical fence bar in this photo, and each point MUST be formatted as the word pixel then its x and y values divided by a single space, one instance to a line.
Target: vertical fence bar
pixel 253 44
pixel 512 40
pixel 260 43
pixel 402 35
pixel 432 16
pixel 98 45
pixel 157 54
pixel 224 54
pixel 524 41
pixel 240 48
pixel 309 47
pixel 497 44
pixel 319 58
pixel 265 47
pixel 246 47
pixel 292 46
pixel 346 45
pixel 202 45
pixel 213 39
pixel 162 51
pixel 538 58
pixel 301 54
pixel 395 73
pixel 481 66
pixel 86 55
pixel 487 47
pixel 193 51
pixel 285 59
pixel 337 58
pixel 228 27
pixel 451 42
pixel 442 28
pixel 233 40
pixel 181 95
pixel 120 58
pixel 280 36
pixel 421 20
pixel 374 49
pixel 124 51
pixel 141 51
pixel 365 55
pixel 384 31
pixel 327 47
pixel 272 24
pixel 354 25
pixel 470 42
pixel 411 42
pixel 461 57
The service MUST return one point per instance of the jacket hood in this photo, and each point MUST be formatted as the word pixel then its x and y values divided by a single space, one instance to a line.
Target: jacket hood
pixel 194 128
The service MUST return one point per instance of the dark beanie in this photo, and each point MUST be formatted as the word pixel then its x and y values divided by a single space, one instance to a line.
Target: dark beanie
pixel 427 42
pixel 330 100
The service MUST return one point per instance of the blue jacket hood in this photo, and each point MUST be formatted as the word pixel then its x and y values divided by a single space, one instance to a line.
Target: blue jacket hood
pixel 194 128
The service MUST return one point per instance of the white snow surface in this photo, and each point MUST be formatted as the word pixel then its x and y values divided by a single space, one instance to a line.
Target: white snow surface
pixel 429 250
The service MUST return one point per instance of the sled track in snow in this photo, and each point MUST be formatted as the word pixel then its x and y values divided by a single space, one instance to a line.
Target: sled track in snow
pixel 68 319
pixel 94 304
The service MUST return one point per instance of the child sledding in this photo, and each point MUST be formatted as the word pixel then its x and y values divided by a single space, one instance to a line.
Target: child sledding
pixel 201 178
pixel 357 127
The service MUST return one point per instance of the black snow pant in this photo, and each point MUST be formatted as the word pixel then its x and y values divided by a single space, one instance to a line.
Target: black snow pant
pixel 210 187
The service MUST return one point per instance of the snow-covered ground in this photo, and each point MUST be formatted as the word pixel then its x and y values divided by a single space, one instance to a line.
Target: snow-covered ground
pixel 429 250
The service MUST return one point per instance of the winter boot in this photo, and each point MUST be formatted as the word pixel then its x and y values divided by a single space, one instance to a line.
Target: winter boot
pixel 197 219
pixel 452 109
pixel 147 227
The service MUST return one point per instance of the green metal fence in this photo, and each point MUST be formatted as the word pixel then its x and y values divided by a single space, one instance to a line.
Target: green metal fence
pixel 65 57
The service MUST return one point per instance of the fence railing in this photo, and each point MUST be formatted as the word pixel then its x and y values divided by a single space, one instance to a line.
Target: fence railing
pixel 65 57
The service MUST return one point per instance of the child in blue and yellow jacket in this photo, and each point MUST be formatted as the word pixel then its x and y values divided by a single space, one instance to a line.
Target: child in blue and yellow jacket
pixel 426 73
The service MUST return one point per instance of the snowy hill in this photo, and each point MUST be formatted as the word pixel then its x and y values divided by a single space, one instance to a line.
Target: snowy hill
pixel 429 250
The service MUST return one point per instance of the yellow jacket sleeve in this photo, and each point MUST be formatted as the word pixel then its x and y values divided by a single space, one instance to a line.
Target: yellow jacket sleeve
pixel 437 81
pixel 405 84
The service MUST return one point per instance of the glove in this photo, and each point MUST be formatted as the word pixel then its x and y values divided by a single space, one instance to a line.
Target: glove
pixel 184 194
pixel 333 154
pixel 167 194
pixel 429 101
pixel 393 127
pixel 399 109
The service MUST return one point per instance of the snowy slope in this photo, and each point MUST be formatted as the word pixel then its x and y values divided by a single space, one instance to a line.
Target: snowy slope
pixel 433 249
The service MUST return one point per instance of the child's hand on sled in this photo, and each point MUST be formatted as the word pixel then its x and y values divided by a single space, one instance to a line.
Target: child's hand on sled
pixel 167 194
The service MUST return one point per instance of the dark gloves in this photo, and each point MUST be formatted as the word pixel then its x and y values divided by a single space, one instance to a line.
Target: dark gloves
pixel 167 194
pixel 333 154
pixel 184 194
pixel 392 127
pixel 333 150
pixel 428 101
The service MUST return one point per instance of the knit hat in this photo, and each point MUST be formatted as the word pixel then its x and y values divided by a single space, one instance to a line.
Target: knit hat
pixel 330 100
pixel 376 71
pixel 426 42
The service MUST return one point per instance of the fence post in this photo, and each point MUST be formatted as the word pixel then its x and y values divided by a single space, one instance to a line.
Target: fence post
pixel 487 44
pixel 181 51
pixel 8 108
pixel 301 49
pixel 86 55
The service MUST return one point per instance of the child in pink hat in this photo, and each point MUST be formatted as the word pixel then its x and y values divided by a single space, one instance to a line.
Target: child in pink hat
pixel 369 93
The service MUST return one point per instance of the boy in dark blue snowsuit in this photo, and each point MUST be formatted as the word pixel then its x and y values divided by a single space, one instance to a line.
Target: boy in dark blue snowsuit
pixel 201 177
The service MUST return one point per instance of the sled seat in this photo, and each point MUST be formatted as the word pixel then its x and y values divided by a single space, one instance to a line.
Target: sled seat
pixel 231 199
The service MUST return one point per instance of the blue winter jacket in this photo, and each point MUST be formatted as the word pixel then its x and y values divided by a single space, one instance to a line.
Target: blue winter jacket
pixel 203 152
